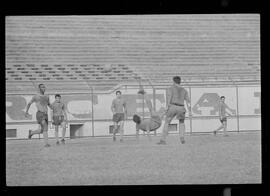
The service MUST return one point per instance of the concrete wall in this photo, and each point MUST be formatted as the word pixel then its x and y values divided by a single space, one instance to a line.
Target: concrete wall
pixel 243 101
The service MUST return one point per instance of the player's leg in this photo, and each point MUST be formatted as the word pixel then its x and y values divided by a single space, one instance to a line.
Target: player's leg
pixel 219 128
pixel 121 130
pixel 56 134
pixel 115 124
pixel 63 132
pixel 137 135
pixel 225 128
pixel 38 131
pixel 168 120
pixel 148 134
pixel 182 127
pixel 44 124
pixel 182 130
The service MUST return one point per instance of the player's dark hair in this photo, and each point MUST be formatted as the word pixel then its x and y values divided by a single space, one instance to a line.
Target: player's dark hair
pixel 118 92
pixel 40 85
pixel 222 97
pixel 136 119
pixel 58 95
pixel 177 79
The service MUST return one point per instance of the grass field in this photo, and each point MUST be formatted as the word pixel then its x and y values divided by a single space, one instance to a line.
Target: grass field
pixel 203 159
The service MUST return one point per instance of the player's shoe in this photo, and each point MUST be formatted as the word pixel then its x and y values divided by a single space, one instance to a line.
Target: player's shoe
pixel 215 132
pixel 182 140
pixel 29 134
pixel 226 135
pixel 121 140
pixel 47 145
pixel 57 143
pixel 62 141
pixel 161 142
pixel 114 138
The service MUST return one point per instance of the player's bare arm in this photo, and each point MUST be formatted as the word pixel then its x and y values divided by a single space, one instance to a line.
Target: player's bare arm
pixel 125 109
pixel 112 107
pixel 169 97
pixel 28 106
pixel 187 100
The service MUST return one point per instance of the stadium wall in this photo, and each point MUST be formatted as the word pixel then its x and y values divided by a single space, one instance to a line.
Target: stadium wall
pixel 91 113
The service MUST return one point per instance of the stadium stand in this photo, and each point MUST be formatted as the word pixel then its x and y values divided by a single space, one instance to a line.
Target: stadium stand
pixel 70 51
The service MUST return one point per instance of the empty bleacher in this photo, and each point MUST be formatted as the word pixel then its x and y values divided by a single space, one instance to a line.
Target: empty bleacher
pixel 69 49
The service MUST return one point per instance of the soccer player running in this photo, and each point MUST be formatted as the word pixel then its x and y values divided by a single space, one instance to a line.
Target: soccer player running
pixel 176 95
pixel 150 124
pixel 222 116
pixel 59 117
pixel 42 102
pixel 119 111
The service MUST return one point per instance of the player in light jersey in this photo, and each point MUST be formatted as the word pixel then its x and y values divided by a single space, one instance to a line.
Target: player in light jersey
pixel 222 116
pixel 59 117
pixel 150 124
pixel 176 95
pixel 119 110
pixel 42 102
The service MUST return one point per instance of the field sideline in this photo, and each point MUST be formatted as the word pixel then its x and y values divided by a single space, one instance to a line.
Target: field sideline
pixel 203 159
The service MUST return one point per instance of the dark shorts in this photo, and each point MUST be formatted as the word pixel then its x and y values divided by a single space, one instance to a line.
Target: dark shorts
pixel 57 120
pixel 41 116
pixel 157 120
pixel 224 119
pixel 176 111
pixel 118 117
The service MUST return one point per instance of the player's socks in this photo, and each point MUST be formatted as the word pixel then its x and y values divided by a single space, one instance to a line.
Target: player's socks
pixel 29 134
pixel 161 142
pixel 47 145
pixel 182 139
pixel 114 138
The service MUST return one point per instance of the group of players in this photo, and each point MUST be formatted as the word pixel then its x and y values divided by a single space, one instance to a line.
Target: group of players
pixel 176 97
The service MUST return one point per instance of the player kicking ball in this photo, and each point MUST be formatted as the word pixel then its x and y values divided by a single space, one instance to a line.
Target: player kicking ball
pixel 59 117
pixel 151 124
pixel 222 116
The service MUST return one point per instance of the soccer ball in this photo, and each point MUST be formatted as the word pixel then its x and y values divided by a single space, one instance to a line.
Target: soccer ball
pixel 107 67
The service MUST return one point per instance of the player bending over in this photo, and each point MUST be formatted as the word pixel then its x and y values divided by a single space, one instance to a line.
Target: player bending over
pixel 59 117
pixel 151 124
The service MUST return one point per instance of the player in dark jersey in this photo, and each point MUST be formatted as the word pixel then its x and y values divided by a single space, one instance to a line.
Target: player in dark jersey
pixel 59 117
pixel 119 110
pixel 222 116
pixel 149 124
pixel 176 95
pixel 42 102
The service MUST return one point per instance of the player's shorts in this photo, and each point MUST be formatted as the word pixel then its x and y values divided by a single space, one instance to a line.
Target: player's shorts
pixel 224 119
pixel 152 123
pixel 57 120
pixel 156 123
pixel 41 116
pixel 176 111
pixel 118 117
